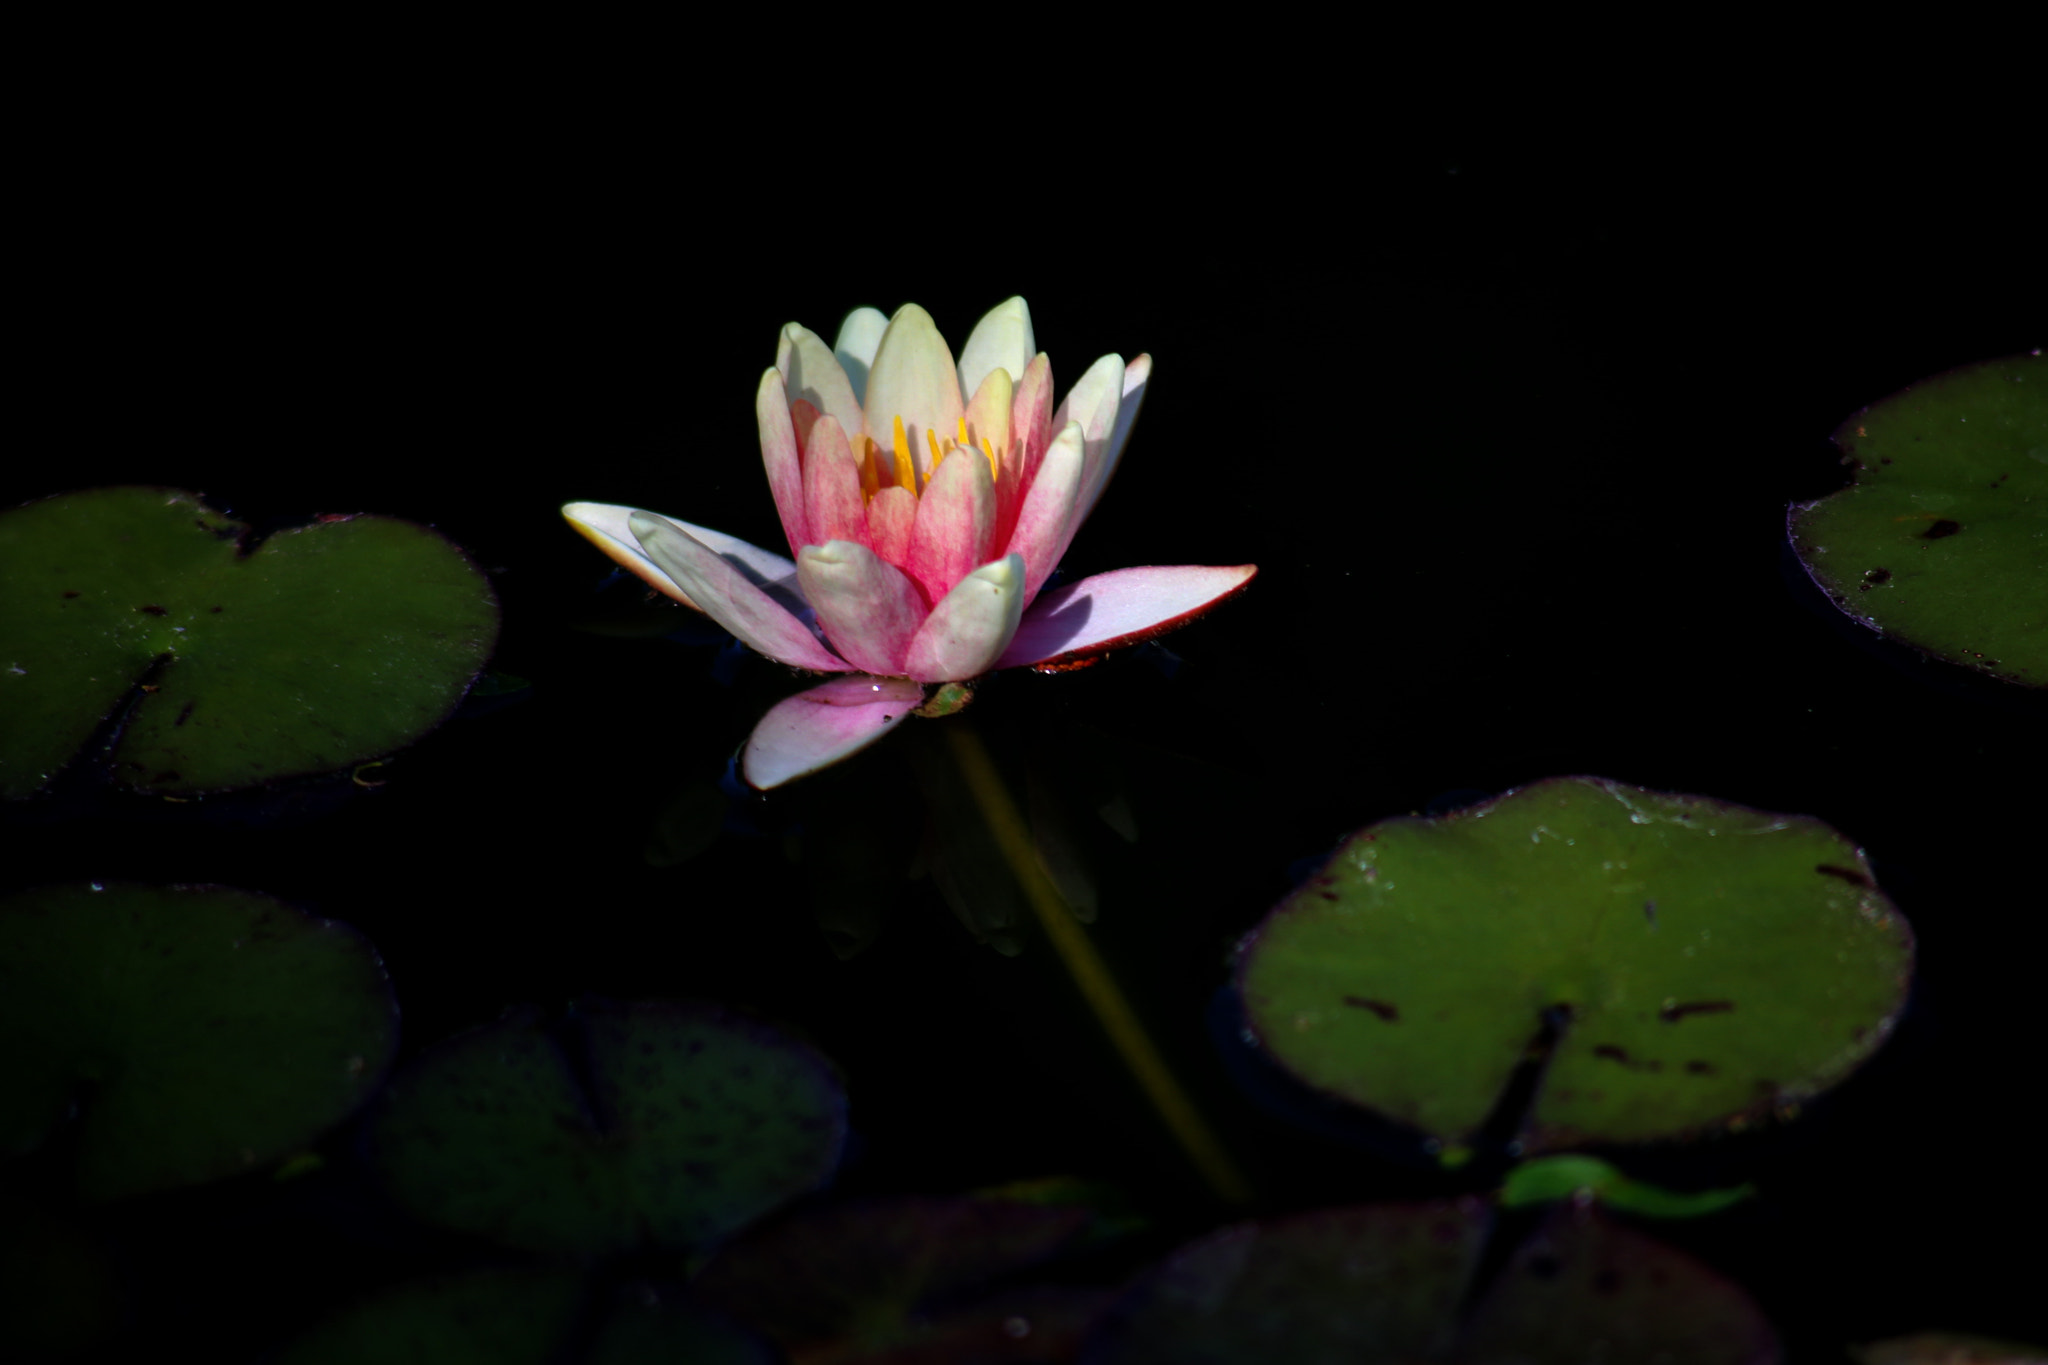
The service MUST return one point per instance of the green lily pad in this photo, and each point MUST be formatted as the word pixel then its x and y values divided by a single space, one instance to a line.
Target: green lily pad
pixel 692 1122
pixel 520 1317
pixel 1693 965
pixel 1390 1282
pixel 1942 541
pixel 867 1278
pixel 198 1031
pixel 319 648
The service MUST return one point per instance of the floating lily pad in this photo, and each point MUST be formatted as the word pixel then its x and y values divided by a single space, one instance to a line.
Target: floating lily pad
pixel 1942 541
pixel 1390 1283
pixel 198 1031
pixel 1691 965
pixel 692 1122
pixel 319 648
pixel 862 1280
pixel 521 1317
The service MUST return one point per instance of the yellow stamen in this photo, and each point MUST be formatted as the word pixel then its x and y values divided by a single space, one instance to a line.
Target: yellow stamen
pixel 995 466
pixel 963 435
pixel 906 472
pixel 937 454
pixel 870 478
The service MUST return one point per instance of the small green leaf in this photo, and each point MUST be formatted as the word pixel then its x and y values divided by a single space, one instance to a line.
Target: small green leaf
pixel 323 647
pixel 1704 965
pixel 200 1031
pixel 694 1123
pixel 1550 1179
pixel 1942 541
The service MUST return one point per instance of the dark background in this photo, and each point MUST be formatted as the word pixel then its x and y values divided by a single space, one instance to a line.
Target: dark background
pixel 1508 423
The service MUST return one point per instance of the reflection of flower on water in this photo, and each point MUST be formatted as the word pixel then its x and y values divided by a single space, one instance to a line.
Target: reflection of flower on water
pixel 927 505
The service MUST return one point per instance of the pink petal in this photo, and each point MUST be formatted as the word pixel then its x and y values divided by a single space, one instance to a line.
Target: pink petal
pixel 1075 623
pixel 778 452
pixel 969 627
pixel 1046 522
pixel 812 373
pixel 605 525
pixel 723 591
pixel 956 524
pixel 913 378
pixel 1001 340
pixel 1136 375
pixel 860 336
pixel 892 516
pixel 1031 416
pixel 818 728
pixel 833 509
pixel 868 607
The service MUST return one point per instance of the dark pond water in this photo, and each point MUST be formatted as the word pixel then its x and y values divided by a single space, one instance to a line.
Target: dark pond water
pixel 1510 442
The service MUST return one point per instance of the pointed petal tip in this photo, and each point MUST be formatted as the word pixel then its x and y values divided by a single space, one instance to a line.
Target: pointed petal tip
pixel 1073 625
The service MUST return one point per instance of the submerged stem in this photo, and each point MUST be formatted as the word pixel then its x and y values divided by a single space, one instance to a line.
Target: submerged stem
pixel 1091 973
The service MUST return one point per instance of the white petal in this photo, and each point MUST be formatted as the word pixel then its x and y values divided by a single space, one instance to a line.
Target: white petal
pixel 604 525
pixel 811 372
pixel 724 590
pixel 831 721
pixel 913 378
pixel 970 625
pixel 1002 338
pixel 860 336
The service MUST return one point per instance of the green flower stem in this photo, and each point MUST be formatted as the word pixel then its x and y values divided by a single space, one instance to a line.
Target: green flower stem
pixel 1091 973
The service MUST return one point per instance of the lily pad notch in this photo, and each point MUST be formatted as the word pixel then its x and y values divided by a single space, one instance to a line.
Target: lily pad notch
pixel 224 661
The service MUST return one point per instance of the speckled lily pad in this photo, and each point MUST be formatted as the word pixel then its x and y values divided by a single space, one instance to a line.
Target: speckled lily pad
pixel 1942 541
pixel 1693 965
pixel 198 1031
pixel 646 1124
pixel 315 649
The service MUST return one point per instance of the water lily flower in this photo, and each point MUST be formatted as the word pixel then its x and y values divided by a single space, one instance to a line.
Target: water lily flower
pixel 926 501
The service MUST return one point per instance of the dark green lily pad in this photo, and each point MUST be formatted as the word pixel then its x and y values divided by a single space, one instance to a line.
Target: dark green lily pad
pixel 1942 541
pixel 322 647
pixel 1389 1282
pixel 693 1122
pixel 521 1317
pixel 1700 965
pixel 199 1031
pixel 868 1279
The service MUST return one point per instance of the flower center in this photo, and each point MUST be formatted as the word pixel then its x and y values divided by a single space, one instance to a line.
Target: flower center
pixel 901 469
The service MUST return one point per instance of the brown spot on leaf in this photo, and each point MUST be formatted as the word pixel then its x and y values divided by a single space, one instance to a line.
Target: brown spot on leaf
pixel 183 716
pixel 1699 1068
pixel 1874 578
pixel 1671 1014
pixel 1379 1007
pixel 152 609
pixel 1943 527
pixel 1847 874
pixel 72 592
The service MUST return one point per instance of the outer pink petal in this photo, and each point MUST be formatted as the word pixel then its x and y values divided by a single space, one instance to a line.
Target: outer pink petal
pixel 969 627
pixel 913 378
pixel 778 452
pixel 1046 522
pixel 892 516
pixel 811 372
pixel 833 509
pixel 1136 375
pixel 956 524
pixel 1075 623
pixel 605 525
pixel 868 607
pixel 831 721
pixel 720 589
